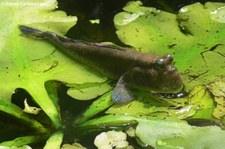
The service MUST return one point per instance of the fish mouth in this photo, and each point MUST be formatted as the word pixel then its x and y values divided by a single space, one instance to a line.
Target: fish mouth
pixel 182 93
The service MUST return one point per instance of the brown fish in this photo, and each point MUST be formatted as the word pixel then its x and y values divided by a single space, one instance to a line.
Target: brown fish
pixel 131 68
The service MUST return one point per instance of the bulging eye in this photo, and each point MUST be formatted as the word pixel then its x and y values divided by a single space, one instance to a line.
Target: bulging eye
pixel 159 63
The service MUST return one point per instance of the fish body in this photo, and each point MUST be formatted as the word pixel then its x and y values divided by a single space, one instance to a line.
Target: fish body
pixel 131 68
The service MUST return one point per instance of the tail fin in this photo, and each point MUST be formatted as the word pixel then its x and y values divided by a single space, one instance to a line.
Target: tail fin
pixel 28 31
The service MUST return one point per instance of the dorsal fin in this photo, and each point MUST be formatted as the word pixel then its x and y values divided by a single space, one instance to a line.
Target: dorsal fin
pixel 111 46
pixel 105 45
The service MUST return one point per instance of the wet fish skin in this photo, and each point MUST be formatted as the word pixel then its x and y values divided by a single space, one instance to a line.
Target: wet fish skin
pixel 131 68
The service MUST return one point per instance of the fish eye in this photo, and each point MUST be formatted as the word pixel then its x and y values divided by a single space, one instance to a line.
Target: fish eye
pixel 159 63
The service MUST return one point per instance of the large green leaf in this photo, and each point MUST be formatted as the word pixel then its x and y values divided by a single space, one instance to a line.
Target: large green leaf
pixel 169 135
pixel 197 105
pixel 218 90
pixel 28 63
pixel 162 134
pixel 195 37
pixel 148 106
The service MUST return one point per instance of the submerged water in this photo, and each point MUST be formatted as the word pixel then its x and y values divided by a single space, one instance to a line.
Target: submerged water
pixel 105 10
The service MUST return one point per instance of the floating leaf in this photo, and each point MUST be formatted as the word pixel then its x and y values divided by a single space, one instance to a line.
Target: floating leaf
pixel 170 134
pixel 29 63
pixel 217 88
pixel 88 91
pixel 148 106
pixel 162 133
pixel 195 37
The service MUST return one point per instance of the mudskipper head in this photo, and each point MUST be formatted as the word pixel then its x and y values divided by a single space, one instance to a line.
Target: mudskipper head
pixel 160 76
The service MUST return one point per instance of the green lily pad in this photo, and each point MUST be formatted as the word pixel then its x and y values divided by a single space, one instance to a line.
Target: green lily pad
pixel 170 134
pixel 87 91
pixel 162 134
pixel 198 104
pixel 195 37
pixel 218 90
pixel 28 63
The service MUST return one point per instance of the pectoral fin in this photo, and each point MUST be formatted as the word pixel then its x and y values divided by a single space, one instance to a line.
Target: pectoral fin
pixel 121 93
